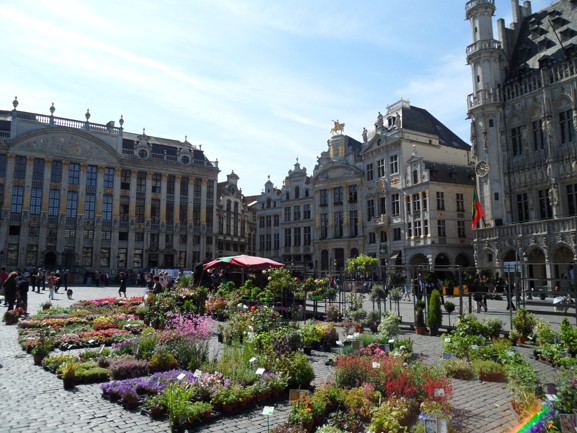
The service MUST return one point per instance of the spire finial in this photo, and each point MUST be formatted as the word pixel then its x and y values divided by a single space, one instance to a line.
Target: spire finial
pixel 52 109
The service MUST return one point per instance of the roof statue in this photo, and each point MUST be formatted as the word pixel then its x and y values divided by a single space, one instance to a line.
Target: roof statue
pixel 337 127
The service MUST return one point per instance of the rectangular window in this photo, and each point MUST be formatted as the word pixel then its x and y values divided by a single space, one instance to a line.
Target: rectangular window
pixel 170 184
pixel 440 200
pixel 353 223
pixel 31 255
pixel 20 167
pixel 566 127
pixel 416 203
pixel 394 164
pixel 352 193
pixel 372 238
pixel 306 236
pixel 538 137
pixel 105 257
pixel 137 258
pixel 35 201
pixel 3 164
pixel 184 186
pixel 89 206
pixel 125 180
pixel 381 168
pixel 338 224
pixel 383 205
pixel 88 234
pixel 108 181
pixel 397 234
pixel 370 174
pixel 324 225
pixel 572 199
pixel 87 257
pixel 73 173
pixel 69 233
pixel 287 237
pixel 426 228
pixel 297 237
pixel 425 201
pixel 418 231
pixel 409 230
pixel 545 209
pixel 460 202
pixel 396 204
pixel 107 207
pixel 17 199
pixel 516 141
pixel 91 176
pixel 183 213
pixel 156 183
pixel 268 220
pixel 141 182
pixel 287 214
pixel 306 212
pixel 71 204
pixel 461 229
pixel 522 207
pixel 139 236
pixel 276 220
pixel 297 213
pixel 38 171
pixel 276 241
pixel 370 209
pixel 53 202
pixel 338 195
pixel 56 171
pixel 441 229
pixel 324 197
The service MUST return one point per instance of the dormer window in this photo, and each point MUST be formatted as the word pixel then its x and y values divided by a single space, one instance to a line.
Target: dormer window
pixel 391 120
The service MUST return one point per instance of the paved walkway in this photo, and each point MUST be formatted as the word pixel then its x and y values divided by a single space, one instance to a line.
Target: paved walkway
pixel 34 400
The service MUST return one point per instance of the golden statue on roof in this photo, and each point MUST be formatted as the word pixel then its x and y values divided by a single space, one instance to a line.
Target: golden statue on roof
pixel 337 127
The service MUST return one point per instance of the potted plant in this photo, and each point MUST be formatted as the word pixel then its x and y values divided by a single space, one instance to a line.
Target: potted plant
pixel 435 318
pixel 514 336
pixel 420 327
pixel 11 316
pixel 46 305
pixel 523 322
pixel 449 308
pixel 69 374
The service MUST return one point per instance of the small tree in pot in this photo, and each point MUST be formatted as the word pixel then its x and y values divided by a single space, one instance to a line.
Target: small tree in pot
pixel 420 327
pixel 435 318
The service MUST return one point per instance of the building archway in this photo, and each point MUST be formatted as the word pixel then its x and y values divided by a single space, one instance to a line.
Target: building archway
pixel 69 259
pixel 50 259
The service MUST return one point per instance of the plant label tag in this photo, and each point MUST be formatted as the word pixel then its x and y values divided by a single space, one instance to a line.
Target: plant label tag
pixel 260 371
pixel 447 355
pixel 391 341
pixel 439 392
pixel 101 349
pixel 510 353
pixel 251 360
pixel 91 341
pixel 442 426
pixel 340 343
pixel 431 425
pixel 474 347
pixel 268 410
pixel 356 335
pixel 552 397
pixel 197 373
pixel 387 348
pixel 447 340
pixel 376 364
pixel 180 376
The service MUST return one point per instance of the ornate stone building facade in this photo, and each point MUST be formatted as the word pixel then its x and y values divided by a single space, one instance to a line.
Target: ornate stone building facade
pixel 88 196
pixel 523 120
pixel 402 195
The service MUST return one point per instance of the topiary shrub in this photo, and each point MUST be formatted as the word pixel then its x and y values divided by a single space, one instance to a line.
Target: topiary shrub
pixel 435 319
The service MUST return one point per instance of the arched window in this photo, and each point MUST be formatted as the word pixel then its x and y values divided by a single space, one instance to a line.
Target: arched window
pixel 415 177
pixel 297 192
pixel 288 197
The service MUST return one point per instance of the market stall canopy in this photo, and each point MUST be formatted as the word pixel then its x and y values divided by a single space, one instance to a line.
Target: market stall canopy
pixel 243 261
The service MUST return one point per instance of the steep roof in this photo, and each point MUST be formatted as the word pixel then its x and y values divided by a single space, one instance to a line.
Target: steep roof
pixel 546 37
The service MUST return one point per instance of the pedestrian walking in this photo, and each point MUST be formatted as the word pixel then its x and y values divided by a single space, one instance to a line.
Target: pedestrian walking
pixel 52 280
pixel 122 289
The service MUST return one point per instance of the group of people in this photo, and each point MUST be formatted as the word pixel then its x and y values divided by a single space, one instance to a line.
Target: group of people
pixel 15 286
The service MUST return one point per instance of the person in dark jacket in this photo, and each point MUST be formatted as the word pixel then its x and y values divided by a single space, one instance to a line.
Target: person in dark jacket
pixel 23 288
pixel 122 289
pixel 11 289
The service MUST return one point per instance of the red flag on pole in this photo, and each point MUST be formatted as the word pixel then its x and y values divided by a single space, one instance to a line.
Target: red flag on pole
pixel 477 212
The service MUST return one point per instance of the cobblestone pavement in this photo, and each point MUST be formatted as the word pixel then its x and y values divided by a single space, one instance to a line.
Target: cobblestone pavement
pixel 34 400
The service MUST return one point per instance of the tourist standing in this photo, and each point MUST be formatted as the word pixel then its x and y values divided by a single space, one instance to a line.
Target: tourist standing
pixel 3 277
pixel 23 287
pixel 11 289
pixel 122 289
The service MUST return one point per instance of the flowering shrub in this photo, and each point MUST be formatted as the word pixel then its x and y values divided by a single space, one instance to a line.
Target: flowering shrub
pixel 301 411
pixel 53 363
pixel 190 325
pixel 122 368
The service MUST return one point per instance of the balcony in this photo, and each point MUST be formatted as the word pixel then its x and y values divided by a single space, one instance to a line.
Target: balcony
pixel 483 45
pixel 381 221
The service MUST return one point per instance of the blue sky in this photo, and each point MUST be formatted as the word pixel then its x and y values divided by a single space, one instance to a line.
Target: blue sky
pixel 257 83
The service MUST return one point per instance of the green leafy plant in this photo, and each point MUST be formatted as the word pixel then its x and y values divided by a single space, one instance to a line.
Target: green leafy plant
pixel 435 319
pixel 389 327
pixel 494 327
pixel 459 369
pixel 449 308
pixel 391 416
pixel 523 321
pixel 489 371
pixel 569 336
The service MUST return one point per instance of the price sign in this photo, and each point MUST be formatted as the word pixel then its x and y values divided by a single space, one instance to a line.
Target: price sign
pixel 180 376
pixel 260 371
pixel 268 410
